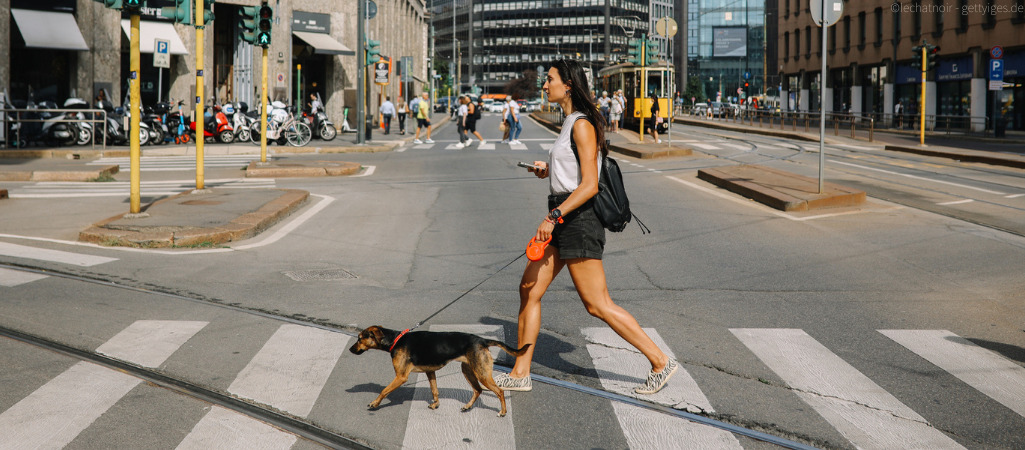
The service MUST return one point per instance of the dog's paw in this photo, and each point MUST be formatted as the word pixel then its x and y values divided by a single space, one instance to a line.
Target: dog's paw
pixel 501 414
pixel 434 405
pixel 465 408
pixel 373 405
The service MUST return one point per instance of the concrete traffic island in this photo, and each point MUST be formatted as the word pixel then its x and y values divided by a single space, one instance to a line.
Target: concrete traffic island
pixel 282 169
pixel 781 190
pixel 198 218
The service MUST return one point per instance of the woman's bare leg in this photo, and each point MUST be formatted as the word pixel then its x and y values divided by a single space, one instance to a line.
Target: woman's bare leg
pixel 537 276
pixel 589 278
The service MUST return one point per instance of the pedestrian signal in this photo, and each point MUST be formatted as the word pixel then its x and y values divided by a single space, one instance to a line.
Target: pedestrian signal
pixel 266 19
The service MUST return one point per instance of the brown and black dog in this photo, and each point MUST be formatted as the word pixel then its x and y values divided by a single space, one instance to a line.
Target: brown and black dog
pixel 427 352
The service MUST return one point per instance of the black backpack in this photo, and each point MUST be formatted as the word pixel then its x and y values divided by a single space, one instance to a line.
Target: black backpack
pixel 476 112
pixel 611 203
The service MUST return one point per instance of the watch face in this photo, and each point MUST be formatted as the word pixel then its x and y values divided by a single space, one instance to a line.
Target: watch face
pixel 556 213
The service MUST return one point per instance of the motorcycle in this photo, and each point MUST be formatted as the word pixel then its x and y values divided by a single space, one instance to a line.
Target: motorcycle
pixel 154 119
pixel 84 129
pixel 240 122
pixel 218 128
pixel 55 130
pixel 126 119
pixel 321 125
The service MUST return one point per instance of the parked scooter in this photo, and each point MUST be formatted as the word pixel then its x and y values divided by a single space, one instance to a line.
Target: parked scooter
pixel 240 122
pixel 84 130
pixel 318 121
pixel 346 128
pixel 55 130
pixel 216 126
pixel 154 119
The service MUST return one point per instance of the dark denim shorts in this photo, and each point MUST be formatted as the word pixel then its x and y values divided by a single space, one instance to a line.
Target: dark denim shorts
pixel 581 235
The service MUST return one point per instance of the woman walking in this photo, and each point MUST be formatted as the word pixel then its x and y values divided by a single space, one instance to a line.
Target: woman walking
pixel 578 238
pixel 473 115
pixel 655 119
pixel 402 110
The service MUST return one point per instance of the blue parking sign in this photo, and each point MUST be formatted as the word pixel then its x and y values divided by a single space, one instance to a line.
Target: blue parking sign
pixel 996 70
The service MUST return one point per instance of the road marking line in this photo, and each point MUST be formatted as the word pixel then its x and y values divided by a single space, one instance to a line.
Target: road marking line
pixel 956 202
pixel 857 407
pixel 223 428
pixel 987 372
pixel 738 146
pixel 919 178
pixel 290 226
pixel 478 428
pixel 11 278
pixel 368 171
pixel 763 208
pixel 150 342
pixel 620 368
pixel 488 146
pixel 42 254
pixel 290 370
pixel 705 146
pixel 1015 196
pixel 53 415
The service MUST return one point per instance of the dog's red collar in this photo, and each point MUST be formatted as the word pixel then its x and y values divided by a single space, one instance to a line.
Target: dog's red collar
pixel 396 341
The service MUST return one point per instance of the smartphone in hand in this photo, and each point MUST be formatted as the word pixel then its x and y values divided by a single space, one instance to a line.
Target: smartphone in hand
pixel 529 166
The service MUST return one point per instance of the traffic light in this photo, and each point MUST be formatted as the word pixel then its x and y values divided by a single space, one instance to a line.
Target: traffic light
pixel 112 4
pixel 636 50
pixel 373 51
pixel 250 15
pixel 263 25
pixel 650 51
pixel 208 11
pixel 916 60
pixel 181 12
pixel 133 6
pixel 931 53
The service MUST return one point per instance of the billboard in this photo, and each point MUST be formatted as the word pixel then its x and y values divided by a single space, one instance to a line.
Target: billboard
pixel 729 42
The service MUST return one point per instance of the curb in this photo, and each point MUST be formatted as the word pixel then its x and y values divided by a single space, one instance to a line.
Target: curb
pixel 640 151
pixel 997 159
pixel 781 190
pixel 242 227
pixel 257 169
pixel 59 175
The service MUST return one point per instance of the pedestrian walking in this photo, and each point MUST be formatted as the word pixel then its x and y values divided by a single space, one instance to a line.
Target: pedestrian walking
pixel 615 113
pixel 514 121
pixel 423 119
pixel 505 122
pixel 401 109
pixel 898 114
pixel 387 112
pixel 622 101
pixel 656 120
pixel 476 111
pixel 604 105
pixel 461 112
pixel 577 236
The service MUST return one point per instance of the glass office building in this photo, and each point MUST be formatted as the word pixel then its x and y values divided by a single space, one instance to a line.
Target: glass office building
pixel 726 46
pixel 495 41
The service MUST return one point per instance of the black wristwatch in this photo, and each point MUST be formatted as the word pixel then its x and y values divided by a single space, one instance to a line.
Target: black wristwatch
pixel 555 215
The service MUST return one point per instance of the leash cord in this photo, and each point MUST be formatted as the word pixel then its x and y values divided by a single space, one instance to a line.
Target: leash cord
pixel 468 291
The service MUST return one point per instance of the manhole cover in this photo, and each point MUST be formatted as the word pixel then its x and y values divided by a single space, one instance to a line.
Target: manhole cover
pixel 319 275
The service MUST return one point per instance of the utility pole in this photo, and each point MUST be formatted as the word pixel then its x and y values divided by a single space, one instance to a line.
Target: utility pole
pixel 199 119
pixel 361 62
pixel 135 202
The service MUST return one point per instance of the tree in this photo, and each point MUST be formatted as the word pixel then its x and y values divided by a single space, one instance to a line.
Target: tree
pixel 695 89
pixel 524 87
pixel 445 82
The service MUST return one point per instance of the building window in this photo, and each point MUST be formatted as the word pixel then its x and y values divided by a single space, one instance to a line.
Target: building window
pixel 786 46
pixel 786 8
pixel 846 33
pixel 807 42
pixel 938 14
pixel 896 24
pixel 879 26
pixel 797 43
pixel 861 30
pixel 832 39
pixel 962 21
pixel 991 19
pixel 916 20
pixel 1019 11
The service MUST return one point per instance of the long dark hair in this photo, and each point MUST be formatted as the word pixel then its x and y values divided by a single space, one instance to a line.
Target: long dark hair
pixel 572 73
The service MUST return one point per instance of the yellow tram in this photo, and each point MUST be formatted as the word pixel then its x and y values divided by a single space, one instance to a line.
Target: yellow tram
pixel 629 77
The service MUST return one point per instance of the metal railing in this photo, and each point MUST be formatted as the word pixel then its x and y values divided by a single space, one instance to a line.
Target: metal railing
pixel 97 117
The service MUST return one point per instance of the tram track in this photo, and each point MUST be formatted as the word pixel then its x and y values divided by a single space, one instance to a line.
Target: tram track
pixel 302 427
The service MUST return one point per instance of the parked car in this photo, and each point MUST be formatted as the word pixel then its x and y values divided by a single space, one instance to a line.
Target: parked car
pixel 495 107
pixel 533 105
pixel 700 109
pixel 488 102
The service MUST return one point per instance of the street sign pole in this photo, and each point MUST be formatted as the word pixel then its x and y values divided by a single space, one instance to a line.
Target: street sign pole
pixel 921 105
pixel 199 119
pixel 135 203
pixel 824 17
pixel 263 109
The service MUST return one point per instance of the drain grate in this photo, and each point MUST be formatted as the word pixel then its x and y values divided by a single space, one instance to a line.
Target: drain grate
pixel 319 275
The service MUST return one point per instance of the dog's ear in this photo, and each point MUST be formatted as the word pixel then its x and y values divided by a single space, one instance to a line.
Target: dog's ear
pixel 377 333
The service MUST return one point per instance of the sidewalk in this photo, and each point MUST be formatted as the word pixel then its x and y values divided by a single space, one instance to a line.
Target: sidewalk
pixel 197 218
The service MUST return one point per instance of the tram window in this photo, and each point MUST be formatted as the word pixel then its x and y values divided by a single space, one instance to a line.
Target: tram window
pixel 655 83
pixel 630 83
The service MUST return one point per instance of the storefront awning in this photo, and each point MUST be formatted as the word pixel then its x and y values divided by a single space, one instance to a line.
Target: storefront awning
pixel 323 44
pixel 149 31
pixel 46 29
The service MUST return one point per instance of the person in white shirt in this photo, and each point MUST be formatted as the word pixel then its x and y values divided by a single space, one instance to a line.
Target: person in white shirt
pixel 461 120
pixel 401 111
pixel 387 112
pixel 514 121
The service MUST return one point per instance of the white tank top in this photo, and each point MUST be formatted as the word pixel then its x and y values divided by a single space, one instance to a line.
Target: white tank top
pixel 564 172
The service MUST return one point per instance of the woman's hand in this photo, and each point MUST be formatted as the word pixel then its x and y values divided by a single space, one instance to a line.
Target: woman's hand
pixel 544 231
pixel 542 172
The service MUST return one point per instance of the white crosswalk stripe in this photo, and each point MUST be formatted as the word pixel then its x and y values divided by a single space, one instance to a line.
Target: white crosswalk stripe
pixel 62 189
pixel 293 367
pixel 174 163
pixel 11 278
pixel 620 367
pixel 987 372
pixel 857 407
pixel 478 428
pixel 53 415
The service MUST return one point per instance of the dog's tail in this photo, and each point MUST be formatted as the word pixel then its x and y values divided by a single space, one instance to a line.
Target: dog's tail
pixel 510 350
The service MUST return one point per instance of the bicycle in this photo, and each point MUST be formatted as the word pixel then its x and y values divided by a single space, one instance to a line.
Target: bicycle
pixel 283 126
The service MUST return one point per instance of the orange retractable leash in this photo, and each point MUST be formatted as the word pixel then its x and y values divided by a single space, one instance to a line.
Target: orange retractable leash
pixel 536 250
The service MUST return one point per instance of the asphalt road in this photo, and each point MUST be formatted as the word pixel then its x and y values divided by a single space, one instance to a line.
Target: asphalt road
pixel 897 324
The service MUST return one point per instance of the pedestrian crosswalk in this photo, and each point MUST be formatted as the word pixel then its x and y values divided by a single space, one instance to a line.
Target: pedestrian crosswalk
pixel 525 145
pixel 62 189
pixel 176 163
pixel 12 278
pixel 297 364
